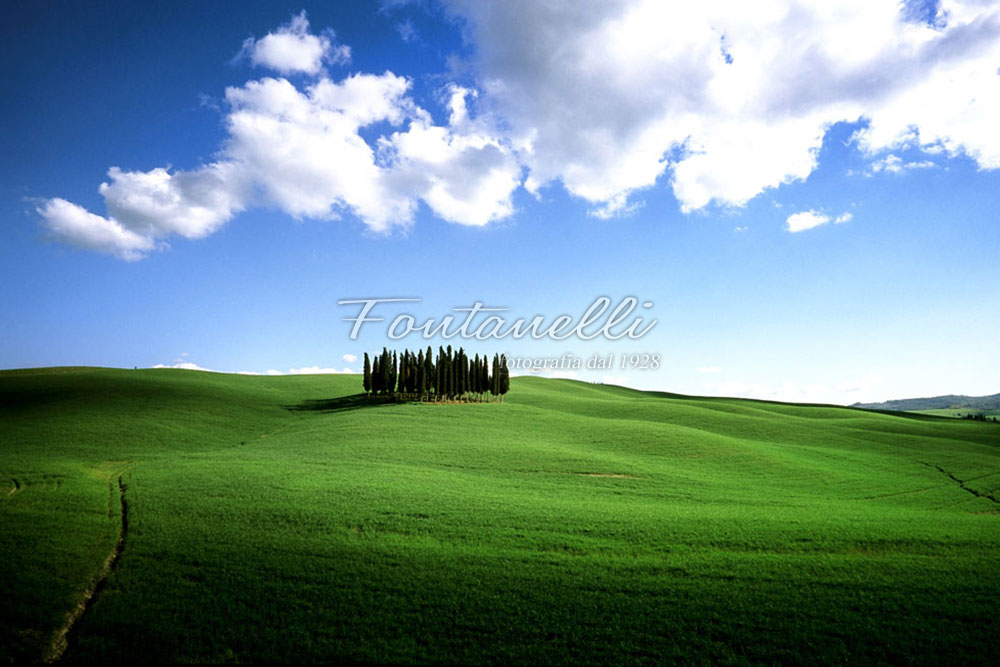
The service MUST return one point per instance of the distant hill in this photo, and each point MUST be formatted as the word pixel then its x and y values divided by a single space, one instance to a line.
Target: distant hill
pixel 949 402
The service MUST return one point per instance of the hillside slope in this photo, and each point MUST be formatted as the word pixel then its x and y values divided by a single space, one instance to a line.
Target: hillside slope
pixel 949 402
pixel 281 518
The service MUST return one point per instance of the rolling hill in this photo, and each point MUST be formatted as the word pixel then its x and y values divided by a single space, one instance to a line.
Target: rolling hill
pixel 949 402
pixel 224 518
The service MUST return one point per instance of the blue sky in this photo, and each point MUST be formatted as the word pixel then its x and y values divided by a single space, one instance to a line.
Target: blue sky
pixel 809 196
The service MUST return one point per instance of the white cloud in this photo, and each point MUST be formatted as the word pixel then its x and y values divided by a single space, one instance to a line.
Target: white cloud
pixel 306 370
pixel 73 224
pixel 157 203
pixel 188 366
pixel 302 151
pixel 145 207
pixel 292 48
pixel 894 164
pixel 798 222
pixel 725 98
pixel 313 370
pixel 350 358
pixel 719 100
pixel 463 172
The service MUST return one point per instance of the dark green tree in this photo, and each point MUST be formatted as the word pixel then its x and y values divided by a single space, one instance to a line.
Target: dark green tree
pixel 429 368
pixel 376 376
pixel 399 383
pixel 368 374
pixel 421 374
pixel 504 383
pixel 495 376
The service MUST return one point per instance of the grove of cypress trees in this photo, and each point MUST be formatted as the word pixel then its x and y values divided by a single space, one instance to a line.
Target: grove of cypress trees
pixel 454 376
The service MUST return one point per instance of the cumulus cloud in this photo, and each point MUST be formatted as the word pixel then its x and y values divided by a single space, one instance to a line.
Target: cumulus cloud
pixel 463 172
pixel 798 222
pixel 725 99
pixel 75 225
pixel 293 49
pixel 719 101
pixel 350 358
pixel 301 150
pixel 144 207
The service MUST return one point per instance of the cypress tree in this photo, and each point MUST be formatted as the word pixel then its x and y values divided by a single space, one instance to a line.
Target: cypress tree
pixel 421 374
pixel 504 377
pixel 393 372
pixel 368 374
pixel 440 367
pixel 452 377
pixel 412 368
pixel 401 380
pixel 475 377
pixel 429 369
pixel 495 376
pixel 484 375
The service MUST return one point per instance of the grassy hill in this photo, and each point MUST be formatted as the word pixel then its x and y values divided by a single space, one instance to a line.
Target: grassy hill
pixel 949 403
pixel 277 518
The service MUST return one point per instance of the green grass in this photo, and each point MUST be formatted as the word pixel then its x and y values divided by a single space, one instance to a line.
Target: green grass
pixel 271 520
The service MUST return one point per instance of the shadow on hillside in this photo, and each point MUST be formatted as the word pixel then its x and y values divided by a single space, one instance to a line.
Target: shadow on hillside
pixel 339 404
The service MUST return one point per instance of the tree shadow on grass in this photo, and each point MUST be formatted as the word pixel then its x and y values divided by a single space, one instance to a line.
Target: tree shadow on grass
pixel 339 404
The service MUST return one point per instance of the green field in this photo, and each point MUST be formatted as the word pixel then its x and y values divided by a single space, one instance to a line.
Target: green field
pixel 279 519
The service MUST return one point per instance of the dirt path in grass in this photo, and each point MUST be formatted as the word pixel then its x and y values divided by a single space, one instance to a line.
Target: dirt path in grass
pixel 962 485
pixel 615 475
pixel 63 636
